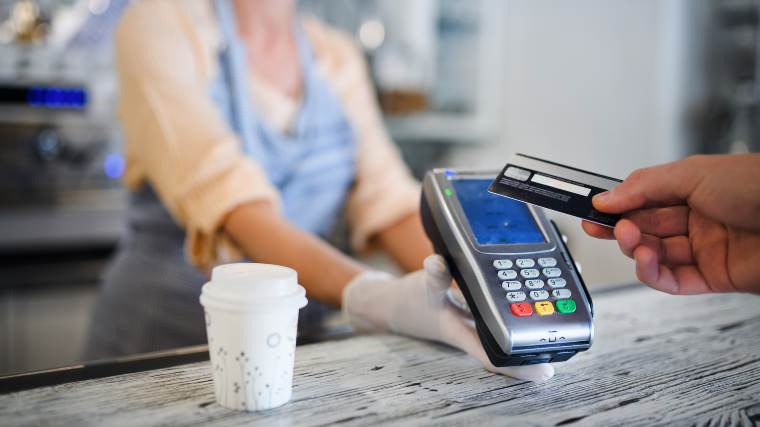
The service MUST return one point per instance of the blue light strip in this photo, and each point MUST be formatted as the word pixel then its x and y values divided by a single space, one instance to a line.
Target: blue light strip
pixel 57 97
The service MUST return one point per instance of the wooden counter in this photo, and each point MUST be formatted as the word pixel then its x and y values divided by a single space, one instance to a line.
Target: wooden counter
pixel 656 359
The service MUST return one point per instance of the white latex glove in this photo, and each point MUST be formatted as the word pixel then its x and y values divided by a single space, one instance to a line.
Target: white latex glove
pixel 417 305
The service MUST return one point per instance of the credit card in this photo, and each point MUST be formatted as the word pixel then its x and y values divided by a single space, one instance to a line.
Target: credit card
pixel 554 186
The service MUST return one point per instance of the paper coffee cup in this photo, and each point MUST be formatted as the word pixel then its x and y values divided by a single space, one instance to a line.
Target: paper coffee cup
pixel 251 322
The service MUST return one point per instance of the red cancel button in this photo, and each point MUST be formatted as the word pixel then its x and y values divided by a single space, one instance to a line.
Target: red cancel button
pixel 521 309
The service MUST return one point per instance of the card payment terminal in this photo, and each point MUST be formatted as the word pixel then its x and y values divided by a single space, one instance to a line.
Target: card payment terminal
pixel 529 302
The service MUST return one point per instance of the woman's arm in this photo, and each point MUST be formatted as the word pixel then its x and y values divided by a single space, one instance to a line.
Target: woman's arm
pixel 265 236
pixel 175 137
pixel 406 242
pixel 382 209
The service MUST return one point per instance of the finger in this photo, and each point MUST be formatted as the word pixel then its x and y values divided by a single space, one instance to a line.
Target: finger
pixel 468 341
pixel 456 299
pixel 538 373
pixel 663 222
pixel 690 280
pixel 628 236
pixel 676 280
pixel 437 273
pixel 650 272
pixel 596 230
pixel 665 185
pixel 436 265
pixel 674 250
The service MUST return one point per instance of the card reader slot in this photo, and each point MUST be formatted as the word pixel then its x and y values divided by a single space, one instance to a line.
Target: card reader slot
pixel 551 347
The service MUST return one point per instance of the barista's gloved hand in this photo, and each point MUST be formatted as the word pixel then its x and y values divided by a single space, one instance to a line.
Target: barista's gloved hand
pixel 417 305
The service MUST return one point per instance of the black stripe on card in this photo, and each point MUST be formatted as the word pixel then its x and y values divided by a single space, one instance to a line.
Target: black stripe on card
pixel 568 167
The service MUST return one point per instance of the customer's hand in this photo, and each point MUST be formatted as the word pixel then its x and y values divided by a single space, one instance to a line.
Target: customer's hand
pixel 416 305
pixel 693 226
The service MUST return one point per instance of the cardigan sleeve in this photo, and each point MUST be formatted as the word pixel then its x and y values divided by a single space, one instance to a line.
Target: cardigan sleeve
pixel 176 139
pixel 385 191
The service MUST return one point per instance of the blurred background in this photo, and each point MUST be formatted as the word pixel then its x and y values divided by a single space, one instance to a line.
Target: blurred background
pixel 604 85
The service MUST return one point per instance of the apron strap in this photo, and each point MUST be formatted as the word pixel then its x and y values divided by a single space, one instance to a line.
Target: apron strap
pixel 233 65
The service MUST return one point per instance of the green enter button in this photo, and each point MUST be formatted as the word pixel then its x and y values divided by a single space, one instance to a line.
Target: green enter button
pixel 565 306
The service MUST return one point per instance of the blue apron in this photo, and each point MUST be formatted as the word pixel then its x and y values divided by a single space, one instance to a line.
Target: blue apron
pixel 149 297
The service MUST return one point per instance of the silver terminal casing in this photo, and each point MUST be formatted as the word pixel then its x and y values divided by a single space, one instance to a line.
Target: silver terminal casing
pixel 473 263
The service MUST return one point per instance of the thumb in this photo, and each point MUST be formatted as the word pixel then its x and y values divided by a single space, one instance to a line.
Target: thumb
pixel 664 185
pixel 437 275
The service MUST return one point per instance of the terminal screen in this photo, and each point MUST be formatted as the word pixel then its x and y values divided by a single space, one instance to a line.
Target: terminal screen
pixel 495 220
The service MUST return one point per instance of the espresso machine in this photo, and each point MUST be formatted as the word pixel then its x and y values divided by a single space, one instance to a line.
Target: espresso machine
pixel 60 156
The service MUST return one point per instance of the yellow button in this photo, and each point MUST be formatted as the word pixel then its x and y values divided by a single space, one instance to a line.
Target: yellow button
pixel 544 308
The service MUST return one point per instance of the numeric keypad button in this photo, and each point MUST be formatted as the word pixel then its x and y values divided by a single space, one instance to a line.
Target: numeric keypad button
pixel 566 306
pixel 534 284
pixel 562 293
pixel 521 309
pixel 529 273
pixel 502 264
pixel 547 262
pixel 557 283
pixel 511 285
pixel 544 308
pixel 507 274
pixel 516 296
pixel 552 272
pixel 539 295
pixel 525 263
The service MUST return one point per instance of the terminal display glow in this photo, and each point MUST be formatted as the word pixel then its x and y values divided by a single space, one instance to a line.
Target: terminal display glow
pixel 495 220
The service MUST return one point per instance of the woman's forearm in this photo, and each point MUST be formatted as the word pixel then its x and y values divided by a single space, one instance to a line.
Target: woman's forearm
pixel 265 236
pixel 406 242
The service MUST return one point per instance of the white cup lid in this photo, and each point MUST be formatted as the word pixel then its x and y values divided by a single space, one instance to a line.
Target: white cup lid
pixel 253 284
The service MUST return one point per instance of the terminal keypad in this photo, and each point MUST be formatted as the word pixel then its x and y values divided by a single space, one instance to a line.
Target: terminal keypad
pixel 534 286
pixel 507 274
pixel 511 285
pixel 525 263
pixel 502 264
pixel 539 295
pixel 557 283
pixel 547 262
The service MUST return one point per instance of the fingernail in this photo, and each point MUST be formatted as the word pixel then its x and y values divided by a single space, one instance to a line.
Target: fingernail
pixel 602 197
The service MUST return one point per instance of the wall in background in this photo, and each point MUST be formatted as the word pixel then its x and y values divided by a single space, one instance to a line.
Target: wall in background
pixel 605 85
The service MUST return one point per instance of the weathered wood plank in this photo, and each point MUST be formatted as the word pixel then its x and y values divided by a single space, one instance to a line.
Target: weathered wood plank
pixel 657 359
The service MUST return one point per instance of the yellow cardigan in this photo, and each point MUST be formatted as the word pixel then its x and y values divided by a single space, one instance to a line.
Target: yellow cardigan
pixel 178 141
